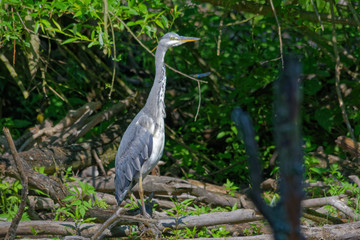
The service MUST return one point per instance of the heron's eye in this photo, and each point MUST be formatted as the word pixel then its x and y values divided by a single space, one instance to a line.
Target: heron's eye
pixel 173 38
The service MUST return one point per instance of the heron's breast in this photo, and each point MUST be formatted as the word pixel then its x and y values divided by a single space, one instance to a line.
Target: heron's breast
pixel 157 151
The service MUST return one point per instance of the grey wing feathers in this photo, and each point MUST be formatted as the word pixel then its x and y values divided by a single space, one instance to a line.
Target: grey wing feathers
pixel 130 162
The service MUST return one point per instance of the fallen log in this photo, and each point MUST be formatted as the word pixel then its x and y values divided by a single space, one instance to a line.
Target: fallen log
pixel 163 185
pixel 45 228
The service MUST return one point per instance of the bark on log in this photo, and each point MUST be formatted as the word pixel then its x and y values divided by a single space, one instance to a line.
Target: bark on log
pixel 87 230
pixel 170 186
pixel 344 231
pixel 58 228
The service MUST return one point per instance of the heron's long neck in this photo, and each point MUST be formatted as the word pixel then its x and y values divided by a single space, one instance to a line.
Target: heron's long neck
pixel 155 103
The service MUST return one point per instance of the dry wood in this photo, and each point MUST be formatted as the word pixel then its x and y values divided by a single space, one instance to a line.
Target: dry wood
pixel 356 180
pixel 348 145
pixel 24 182
pixel 100 117
pixel 46 228
pixel 59 157
pixel 39 181
pixel 58 228
pixel 88 230
pixel 70 118
pixel 335 201
pixel 333 232
pixel 168 186
pixel 210 219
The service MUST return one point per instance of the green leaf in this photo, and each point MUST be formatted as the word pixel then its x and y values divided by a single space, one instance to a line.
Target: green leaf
pixel 325 118
pixel 56 24
pixel 159 24
pixel 19 123
pixel 69 198
pixel 70 40
pixel 221 135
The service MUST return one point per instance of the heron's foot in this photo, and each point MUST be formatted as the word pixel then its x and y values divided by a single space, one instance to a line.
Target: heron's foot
pixel 146 215
pixel 150 230
pixel 147 210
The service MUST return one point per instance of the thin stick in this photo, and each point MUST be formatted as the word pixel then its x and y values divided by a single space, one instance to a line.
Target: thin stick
pixel 13 18
pixel 107 224
pixel 317 14
pixel 149 51
pixel 338 66
pixel 199 104
pixel 220 33
pixel 114 54
pixel 24 182
pixel 99 163
pixel 279 33
pixel 353 12
pixel 171 68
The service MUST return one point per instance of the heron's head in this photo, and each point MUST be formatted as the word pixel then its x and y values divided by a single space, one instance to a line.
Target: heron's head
pixel 172 40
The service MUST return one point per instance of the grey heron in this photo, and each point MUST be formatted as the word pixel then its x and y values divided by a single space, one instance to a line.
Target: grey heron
pixel 142 144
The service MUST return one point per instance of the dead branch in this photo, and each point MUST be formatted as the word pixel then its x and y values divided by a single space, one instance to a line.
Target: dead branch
pixel 332 232
pixel 348 145
pixel 24 182
pixel 98 118
pixel 58 228
pixel 356 180
pixel 168 186
pixel 284 218
pixel 338 67
pixel 335 201
pixel 70 118
pixel 88 230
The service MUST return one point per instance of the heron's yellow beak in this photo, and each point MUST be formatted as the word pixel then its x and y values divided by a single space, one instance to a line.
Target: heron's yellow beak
pixel 189 39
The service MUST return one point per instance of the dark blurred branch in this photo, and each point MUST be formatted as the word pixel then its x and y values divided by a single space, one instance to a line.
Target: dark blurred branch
pixel 288 141
pixel 284 218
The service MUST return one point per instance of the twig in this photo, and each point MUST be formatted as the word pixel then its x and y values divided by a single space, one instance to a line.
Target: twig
pixel 338 66
pixel 114 57
pixel 106 15
pixel 107 224
pixel 14 75
pixel 115 218
pixel 356 180
pixel 241 22
pixel 219 38
pixel 317 14
pixel 27 29
pixel 149 51
pixel 13 22
pixel 199 104
pixel 279 33
pixel 24 182
pixel 99 163
pixel 353 12
pixel 171 68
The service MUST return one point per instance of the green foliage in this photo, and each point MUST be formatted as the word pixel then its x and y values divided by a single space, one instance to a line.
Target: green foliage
pixel 80 200
pixel 10 200
pixel 230 187
pixel 182 209
pixel 254 229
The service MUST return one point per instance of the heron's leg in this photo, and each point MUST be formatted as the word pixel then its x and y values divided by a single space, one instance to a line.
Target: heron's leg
pixel 141 193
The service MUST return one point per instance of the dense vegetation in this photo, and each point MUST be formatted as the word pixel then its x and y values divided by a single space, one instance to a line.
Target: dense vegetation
pixel 58 55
